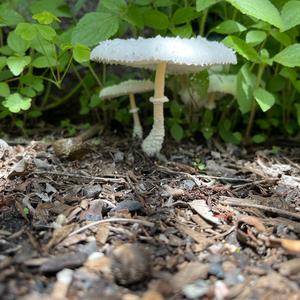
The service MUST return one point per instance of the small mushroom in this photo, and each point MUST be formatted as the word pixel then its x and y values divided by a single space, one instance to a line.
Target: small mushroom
pixel 173 55
pixel 130 88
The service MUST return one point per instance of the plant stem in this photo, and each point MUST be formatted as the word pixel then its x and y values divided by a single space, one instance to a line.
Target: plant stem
pixel 95 76
pixel 203 21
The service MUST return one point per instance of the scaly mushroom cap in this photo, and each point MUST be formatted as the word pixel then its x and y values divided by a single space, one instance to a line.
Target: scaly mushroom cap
pixel 126 87
pixel 182 55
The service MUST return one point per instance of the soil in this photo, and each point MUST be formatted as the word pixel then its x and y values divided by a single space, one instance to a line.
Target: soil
pixel 203 222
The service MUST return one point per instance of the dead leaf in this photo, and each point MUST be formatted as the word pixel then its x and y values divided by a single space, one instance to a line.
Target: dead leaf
pixel 152 295
pixel 102 233
pixel 19 168
pixel 204 211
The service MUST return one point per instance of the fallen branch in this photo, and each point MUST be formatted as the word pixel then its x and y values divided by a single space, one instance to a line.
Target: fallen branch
pixel 121 220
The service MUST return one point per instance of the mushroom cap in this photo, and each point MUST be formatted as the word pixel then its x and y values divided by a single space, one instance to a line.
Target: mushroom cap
pixel 126 87
pixel 182 55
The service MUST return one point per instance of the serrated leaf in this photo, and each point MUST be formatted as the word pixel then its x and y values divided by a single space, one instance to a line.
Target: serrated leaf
pixel 81 53
pixel 264 99
pixel 95 27
pixel 134 16
pixel 242 48
pixel 117 6
pixel 204 4
pixel 44 62
pixel 15 103
pixel 27 31
pixel 177 132
pixel 44 47
pixel 289 57
pixel 184 31
pixel 16 43
pixel 290 14
pixel 260 9
pixel 16 64
pixel 229 27
pixel 45 18
pixel 47 32
pixel 9 17
pixel 56 7
pixel 156 19
pixel 255 37
pixel 4 89
pixel 183 15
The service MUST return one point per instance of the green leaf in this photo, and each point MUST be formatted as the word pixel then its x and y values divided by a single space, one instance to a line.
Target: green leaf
pixel 297 106
pixel 229 27
pixel 260 9
pixel 9 17
pixel 177 132
pixel 95 101
pixel 184 31
pixel 43 46
pixel 81 53
pixel 264 99
pixel 289 57
pixel 183 15
pixel 242 48
pixel 117 6
pixel 16 43
pixel 44 62
pixel 204 4
pixel 95 27
pixel 290 14
pixel 28 92
pixel 134 16
pixel 245 86
pixel 32 81
pixel 4 89
pixel 259 138
pixel 56 7
pixel 227 135
pixel 255 37
pixel 281 37
pixel 27 31
pixel 45 18
pixel 15 103
pixel 156 19
pixel 16 64
pixel 3 60
pixel 47 32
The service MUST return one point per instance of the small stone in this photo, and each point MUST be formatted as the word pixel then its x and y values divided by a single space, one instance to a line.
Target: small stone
pixel 131 263
pixel 90 191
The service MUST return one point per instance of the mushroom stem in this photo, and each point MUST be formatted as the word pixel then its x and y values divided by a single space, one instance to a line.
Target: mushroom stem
pixel 137 127
pixel 153 142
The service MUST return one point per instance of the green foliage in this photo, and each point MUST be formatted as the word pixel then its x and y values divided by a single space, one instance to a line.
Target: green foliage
pixel 44 63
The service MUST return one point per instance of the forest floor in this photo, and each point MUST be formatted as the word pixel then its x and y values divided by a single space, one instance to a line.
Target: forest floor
pixel 209 222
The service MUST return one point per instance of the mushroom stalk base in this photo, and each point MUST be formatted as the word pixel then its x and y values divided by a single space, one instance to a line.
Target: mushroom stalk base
pixel 152 144
pixel 137 127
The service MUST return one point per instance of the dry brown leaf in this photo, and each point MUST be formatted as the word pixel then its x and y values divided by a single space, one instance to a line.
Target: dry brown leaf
pixel 195 235
pixel 99 262
pixel 102 233
pixel 204 211
pixel 152 295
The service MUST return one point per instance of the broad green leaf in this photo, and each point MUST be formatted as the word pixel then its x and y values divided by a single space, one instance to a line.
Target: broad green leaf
pixel 163 3
pixel 184 31
pixel 9 17
pixel 16 64
pixel 43 46
pixel 229 27
pixel 134 16
pixel 289 57
pixel 204 4
pixel 177 132
pixel 27 31
pixel 288 73
pixel 28 92
pixel 156 19
pixel 95 101
pixel 259 138
pixel 117 6
pixel 297 106
pixel 245 86
pixel 227 135
pixel 260 9
pixel 15 103
pixel 56 7
pixel 183 15
pixel 81 53
pixel 95 27
pixel 242 48
pixel 207 132
pixel 4 89
pixel 255 37
pixel 47 32
pixel 281 37
pixel 142 2
pixel 290 14
pixel 3 60
pixel 32 81
pixel 45 18
pixel 44 62
pixel 16 43
pixel 264 98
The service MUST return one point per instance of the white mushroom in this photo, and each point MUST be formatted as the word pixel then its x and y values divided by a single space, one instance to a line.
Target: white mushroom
pixel 130 88
pixel 164 54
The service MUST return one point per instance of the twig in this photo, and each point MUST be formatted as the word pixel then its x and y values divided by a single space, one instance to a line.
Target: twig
pixel 237 202
pixel 124 220
pixel 103 179
pixel 224 178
